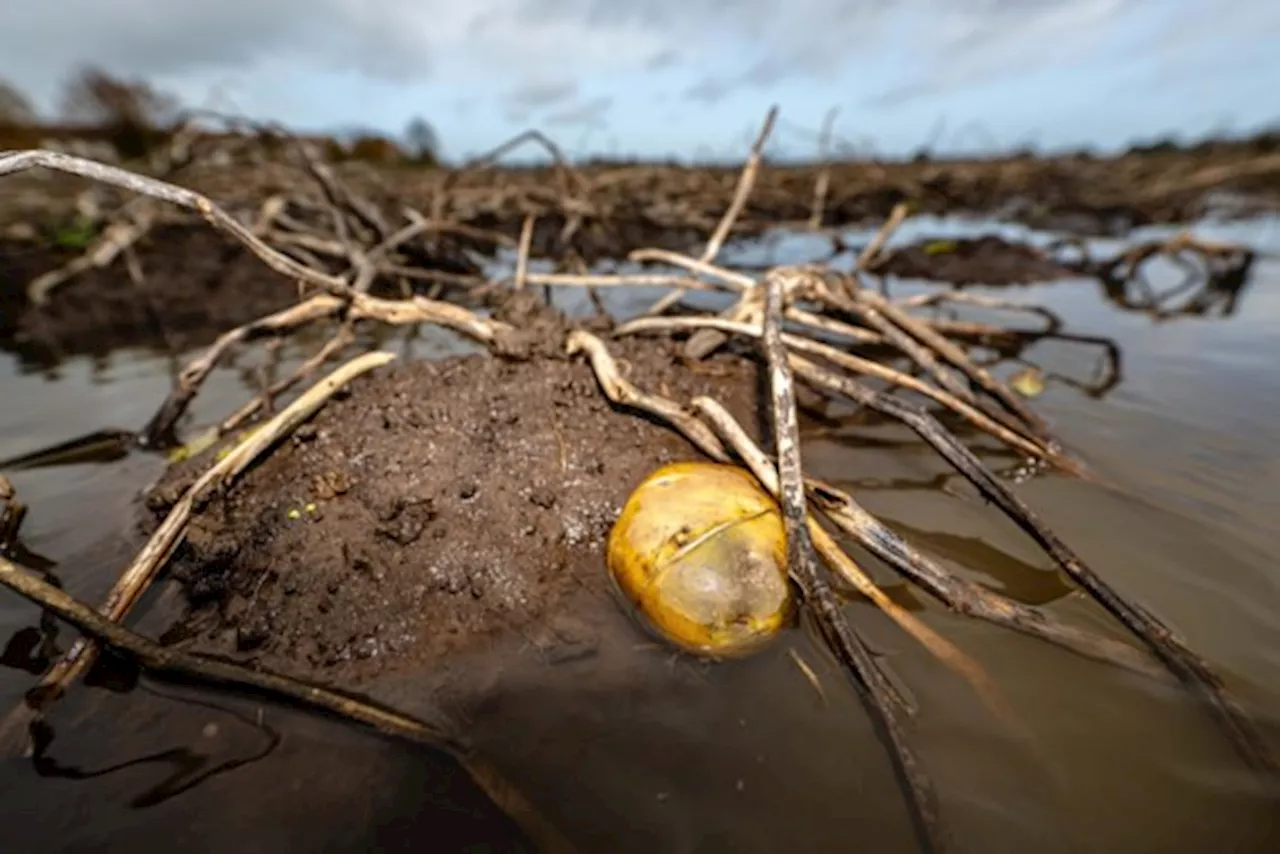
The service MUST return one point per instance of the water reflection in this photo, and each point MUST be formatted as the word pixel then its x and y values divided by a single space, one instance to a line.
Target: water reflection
pixel 189 766
pixel 1015 578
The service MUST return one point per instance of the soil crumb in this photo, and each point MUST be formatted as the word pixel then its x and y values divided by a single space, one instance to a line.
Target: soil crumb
pixel 432 510
pixel 987 260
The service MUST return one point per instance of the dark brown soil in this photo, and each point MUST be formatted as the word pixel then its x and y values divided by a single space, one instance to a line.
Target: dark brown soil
pixel 987 260
pixel 196 284
pixel 438 509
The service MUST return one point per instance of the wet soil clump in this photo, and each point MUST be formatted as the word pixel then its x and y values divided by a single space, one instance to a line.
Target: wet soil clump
pixel 987 260
pixel 436 509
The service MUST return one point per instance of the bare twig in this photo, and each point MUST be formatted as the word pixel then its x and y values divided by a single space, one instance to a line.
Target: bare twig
pixel 867 257
pixel 522 256
pixel 20 161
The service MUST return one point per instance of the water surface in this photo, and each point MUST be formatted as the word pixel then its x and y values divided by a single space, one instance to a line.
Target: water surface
pixel 752 758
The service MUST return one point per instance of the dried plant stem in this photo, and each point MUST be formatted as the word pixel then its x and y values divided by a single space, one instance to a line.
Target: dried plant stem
pixel 159 430
pixel 736 281
pixel 867 257
pixel 165 662
pixel 522 255
pixel 153 556
pixel 1053 323
pixel 623 393
pixel 922 798
pixel 633 280
pixel 823 182
pixel 344 337
pixel 20 161
pixel 742 192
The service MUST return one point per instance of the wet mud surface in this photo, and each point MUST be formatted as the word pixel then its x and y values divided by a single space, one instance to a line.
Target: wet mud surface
pixel 987 260
pixel 195 284
pixel 435 510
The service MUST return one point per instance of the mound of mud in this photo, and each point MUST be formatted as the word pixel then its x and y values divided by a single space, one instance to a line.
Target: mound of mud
pixel 988 260
pixel 435 509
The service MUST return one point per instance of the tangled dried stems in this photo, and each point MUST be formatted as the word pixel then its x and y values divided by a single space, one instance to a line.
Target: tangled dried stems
pixel 825 329
pixel 453 217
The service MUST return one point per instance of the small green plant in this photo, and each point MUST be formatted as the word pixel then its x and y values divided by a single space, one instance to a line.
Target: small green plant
pixel 77 234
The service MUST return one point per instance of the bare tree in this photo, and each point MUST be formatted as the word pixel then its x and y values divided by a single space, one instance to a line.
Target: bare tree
pixel 15 107
pixel 422 144
pixel 95 96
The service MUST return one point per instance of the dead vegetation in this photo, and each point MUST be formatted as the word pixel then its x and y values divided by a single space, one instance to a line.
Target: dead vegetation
pixel 350 250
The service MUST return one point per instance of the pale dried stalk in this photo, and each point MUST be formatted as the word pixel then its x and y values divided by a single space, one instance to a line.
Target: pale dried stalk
pixel 522 255
pixel 335 345
pixel 1172 651
pixel 828 324
pixel 159 429
pixel 20 161
pixel 746 181
pixel 873 304
pixel 622 280
pixel 623 392
pixel 115 239
pixel 1052 321
pixel 823 182
pixel 736 281
pixel 871 251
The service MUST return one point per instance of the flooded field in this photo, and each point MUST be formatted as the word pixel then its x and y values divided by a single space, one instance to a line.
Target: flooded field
pixel 678 756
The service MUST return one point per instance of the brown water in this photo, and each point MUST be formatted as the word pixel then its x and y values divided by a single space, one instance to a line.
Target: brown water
pixel 747 756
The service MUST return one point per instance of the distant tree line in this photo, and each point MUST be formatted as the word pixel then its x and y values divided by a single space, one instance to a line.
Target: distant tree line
pixel 135 119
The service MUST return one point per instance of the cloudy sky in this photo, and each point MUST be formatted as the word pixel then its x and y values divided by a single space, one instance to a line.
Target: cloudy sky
pixel 686 77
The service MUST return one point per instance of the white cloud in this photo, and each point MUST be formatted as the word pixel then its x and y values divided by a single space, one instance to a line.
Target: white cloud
pixel 400 40
pixel 293 58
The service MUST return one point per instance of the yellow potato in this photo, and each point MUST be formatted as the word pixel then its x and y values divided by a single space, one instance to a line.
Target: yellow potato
pixel 700 549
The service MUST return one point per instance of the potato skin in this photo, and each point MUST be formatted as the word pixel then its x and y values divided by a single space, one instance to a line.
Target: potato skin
pixel 700 550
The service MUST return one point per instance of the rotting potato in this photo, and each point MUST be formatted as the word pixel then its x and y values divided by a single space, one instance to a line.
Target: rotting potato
pixel 700 549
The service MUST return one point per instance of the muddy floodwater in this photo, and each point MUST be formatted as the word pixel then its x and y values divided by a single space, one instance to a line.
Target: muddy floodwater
pixel 745 756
